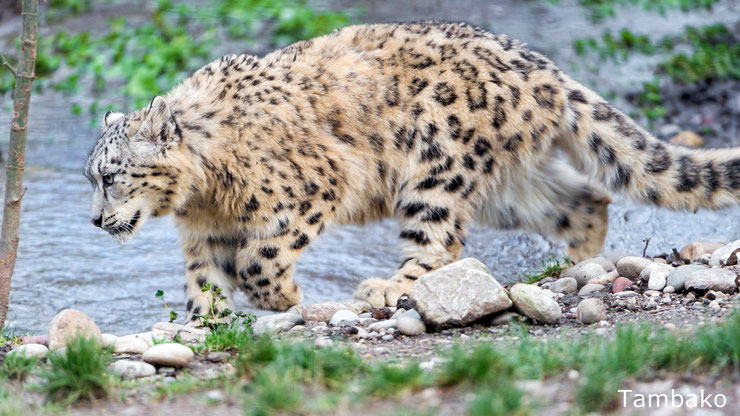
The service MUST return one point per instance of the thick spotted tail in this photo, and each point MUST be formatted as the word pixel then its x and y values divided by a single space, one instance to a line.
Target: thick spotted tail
pixel 613 149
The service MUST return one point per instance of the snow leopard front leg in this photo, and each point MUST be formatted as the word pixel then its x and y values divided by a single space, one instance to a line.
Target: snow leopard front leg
pixel 433 220
pixel 265 265
pixel 210 268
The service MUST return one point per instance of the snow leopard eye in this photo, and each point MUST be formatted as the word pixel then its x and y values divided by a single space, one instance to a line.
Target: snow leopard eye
pixel 108 179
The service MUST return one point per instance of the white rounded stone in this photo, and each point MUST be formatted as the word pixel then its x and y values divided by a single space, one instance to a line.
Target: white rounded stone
pixel 410 326
pixel 133 369
pixel 533 302
pixel 129 344
pixel 30 350
pixel 169 355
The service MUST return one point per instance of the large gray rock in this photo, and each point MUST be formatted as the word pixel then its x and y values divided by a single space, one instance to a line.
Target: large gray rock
pixel 276 323
pixel 631 266
pixel 656 274
pixel 591 310
pixel 133 369
pixel 323 311
pixel 712 279
pixel 458 293
pixel 564 285
pixel 168 355
pixel 71 323
pixel 535 303
pixel 677 277
pixel 583 272
pixel 720 256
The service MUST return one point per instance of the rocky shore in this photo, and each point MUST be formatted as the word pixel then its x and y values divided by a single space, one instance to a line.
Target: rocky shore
pixel 456 302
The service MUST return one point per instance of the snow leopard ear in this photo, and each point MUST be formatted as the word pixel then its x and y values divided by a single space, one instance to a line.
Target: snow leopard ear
pixel 158 124
pixel 111 117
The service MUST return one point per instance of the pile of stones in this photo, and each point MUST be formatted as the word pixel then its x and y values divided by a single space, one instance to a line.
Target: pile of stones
pixel 137 355
pixel 702 275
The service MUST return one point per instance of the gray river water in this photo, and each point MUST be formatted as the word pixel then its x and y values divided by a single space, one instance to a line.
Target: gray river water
pixel 64 262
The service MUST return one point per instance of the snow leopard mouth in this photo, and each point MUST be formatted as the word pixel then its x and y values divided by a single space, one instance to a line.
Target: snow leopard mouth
pixel 127 227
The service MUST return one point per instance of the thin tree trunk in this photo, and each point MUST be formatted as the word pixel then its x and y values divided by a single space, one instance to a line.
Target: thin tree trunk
pixel 24 76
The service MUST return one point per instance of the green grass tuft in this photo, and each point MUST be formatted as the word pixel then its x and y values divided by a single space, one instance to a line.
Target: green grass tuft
pixel 16 367
pixel 79 374
pixel 551 267
pixel 388 380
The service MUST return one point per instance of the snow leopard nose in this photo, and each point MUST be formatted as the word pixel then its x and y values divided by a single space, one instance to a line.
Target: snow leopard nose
pixel 98 221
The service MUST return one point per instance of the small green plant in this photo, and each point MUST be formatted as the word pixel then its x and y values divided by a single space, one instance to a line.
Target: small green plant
pixel 387 380
pixel 215 314
pixel 551 267
pixel 618 47
pixel 77 374
pixel 147 59
pixel 17 366
pixel 172 314
pixel 601 9
pixel 9 336
pixel 275 391
pixel 232 335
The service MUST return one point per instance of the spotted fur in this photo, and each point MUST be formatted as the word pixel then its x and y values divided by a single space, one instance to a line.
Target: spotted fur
pixel 434 123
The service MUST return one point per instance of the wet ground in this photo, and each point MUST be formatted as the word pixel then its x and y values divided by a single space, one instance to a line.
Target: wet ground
pixel 64 262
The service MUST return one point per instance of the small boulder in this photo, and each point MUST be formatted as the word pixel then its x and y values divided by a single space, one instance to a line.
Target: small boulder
pixel 564 285
pixel 323 311
pixel 621 284
pixel 656 274
pixel 615 256
pixel 631 266
pixel 677 276
pixel 129 344
pixel 605 278
pixel 712 279
pixel 108 340
pixel 721 255
pixel 133 369
pixel 71 323
pixel 590 289
pixel 168 355
pixel 458 293
pixel 535 303
pixel 698 248
pixel 591 310
pixel 408 325
pixel 344 317
pixel 30 350
pixel 276 323
pixel 601 261
pixel 583 272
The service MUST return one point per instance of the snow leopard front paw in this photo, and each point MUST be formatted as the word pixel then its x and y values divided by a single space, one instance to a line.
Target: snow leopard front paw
pixel 382 292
